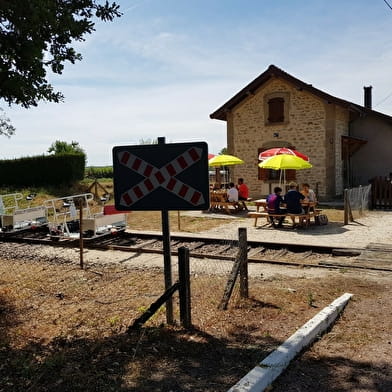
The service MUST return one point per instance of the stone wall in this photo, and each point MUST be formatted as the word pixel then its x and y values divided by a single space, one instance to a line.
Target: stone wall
pixel 313 128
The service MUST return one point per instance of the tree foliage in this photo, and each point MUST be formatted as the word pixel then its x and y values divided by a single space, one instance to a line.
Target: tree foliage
pixel 36 37
pixel 6 128
pixel 60 147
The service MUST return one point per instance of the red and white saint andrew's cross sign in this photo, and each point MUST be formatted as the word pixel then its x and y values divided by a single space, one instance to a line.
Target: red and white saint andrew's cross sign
pixel 160 177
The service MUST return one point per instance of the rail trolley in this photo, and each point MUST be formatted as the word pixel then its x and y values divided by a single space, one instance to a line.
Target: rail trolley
pixel 14 219
pixel 64 212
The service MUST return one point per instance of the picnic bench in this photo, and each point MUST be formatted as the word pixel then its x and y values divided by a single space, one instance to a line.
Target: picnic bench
pixel 219 202
pixel 261 203
pixel 304 219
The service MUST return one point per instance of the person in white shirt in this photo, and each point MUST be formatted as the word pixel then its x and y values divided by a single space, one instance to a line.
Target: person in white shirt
pixel 232 193
pixel 309 196
pixel 308 193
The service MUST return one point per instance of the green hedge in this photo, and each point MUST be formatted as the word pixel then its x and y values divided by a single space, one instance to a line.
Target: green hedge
pixel 99 172
pixel 43 170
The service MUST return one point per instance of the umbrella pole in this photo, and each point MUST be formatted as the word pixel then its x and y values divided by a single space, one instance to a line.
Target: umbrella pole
pixel 218 179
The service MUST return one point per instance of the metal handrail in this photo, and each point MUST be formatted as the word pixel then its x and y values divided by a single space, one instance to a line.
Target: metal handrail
pixel 65 208
pixel 9 202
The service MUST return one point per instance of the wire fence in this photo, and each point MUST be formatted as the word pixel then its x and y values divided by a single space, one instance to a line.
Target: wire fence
pixel 46 286
pixel 381 193
pixel 357 201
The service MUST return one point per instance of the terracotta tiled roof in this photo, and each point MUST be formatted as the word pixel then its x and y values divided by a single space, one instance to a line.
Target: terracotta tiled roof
pixel 273 71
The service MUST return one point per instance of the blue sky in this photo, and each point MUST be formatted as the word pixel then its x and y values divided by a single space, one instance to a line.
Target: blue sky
pixel 165 65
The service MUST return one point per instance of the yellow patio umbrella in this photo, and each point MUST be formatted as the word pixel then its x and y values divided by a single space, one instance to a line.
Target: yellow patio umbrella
pixel 283 162
pixel 224 160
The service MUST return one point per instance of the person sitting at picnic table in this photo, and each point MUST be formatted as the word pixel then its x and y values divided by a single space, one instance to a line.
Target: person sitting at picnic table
pixel 308 193
pixel 232 193
pixel 243 193
pixel 293 200
pixel 310 196
pixel 243 190
pixel 274 203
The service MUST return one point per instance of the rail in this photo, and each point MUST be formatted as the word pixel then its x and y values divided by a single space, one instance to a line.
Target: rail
pixel 299 255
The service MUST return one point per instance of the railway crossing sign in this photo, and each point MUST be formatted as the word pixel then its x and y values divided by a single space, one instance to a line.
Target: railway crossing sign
pixel 171 176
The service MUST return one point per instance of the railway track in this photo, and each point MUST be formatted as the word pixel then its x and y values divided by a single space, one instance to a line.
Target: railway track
pixel 376 257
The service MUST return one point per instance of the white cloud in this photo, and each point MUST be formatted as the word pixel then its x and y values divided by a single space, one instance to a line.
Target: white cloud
pixel 101 119
pixel 157 74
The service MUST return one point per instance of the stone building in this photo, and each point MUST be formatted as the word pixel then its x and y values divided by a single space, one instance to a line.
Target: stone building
pixel 348 144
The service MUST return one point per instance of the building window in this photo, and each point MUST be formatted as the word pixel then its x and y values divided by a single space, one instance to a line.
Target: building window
pixel 276 110
pixel 270 175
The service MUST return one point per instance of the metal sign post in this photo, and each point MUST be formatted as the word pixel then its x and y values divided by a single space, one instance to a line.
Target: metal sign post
pixel 166 255
pixel 162 177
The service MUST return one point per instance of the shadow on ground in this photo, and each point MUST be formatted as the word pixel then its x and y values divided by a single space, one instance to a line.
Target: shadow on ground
pixel 335 374
pixel 151 359
pixel 172 359
pixel 333 228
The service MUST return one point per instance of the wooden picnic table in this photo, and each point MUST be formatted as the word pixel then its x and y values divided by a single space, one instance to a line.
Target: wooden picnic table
pixel 261 203
pixel 304 219
pixel 220 202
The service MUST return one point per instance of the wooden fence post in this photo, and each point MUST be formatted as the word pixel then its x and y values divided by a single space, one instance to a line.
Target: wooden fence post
pixel 243 255
pixel 81 262
pixel 346 203
pixel 185 287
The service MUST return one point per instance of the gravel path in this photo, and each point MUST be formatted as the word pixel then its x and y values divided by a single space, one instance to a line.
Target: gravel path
pixel 375 227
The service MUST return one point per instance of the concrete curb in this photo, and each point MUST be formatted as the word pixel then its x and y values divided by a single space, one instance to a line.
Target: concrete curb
pixel 261 376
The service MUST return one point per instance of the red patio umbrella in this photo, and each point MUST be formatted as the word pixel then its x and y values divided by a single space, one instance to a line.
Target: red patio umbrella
pixel 218 179
pixel 281 150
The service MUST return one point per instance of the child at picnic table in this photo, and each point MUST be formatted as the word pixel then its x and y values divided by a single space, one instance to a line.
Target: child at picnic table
pixel 308 193
pixel 310 196
pixel 274 203
pixel 232 193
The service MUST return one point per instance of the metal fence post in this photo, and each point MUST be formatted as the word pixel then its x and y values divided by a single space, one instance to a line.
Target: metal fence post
pixel 167 255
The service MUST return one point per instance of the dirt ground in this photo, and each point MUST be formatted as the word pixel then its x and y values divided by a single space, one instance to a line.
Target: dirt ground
pixel 67 329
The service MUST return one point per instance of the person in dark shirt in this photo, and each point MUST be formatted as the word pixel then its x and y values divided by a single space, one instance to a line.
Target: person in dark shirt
pixel 293 201
pixel 274 202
